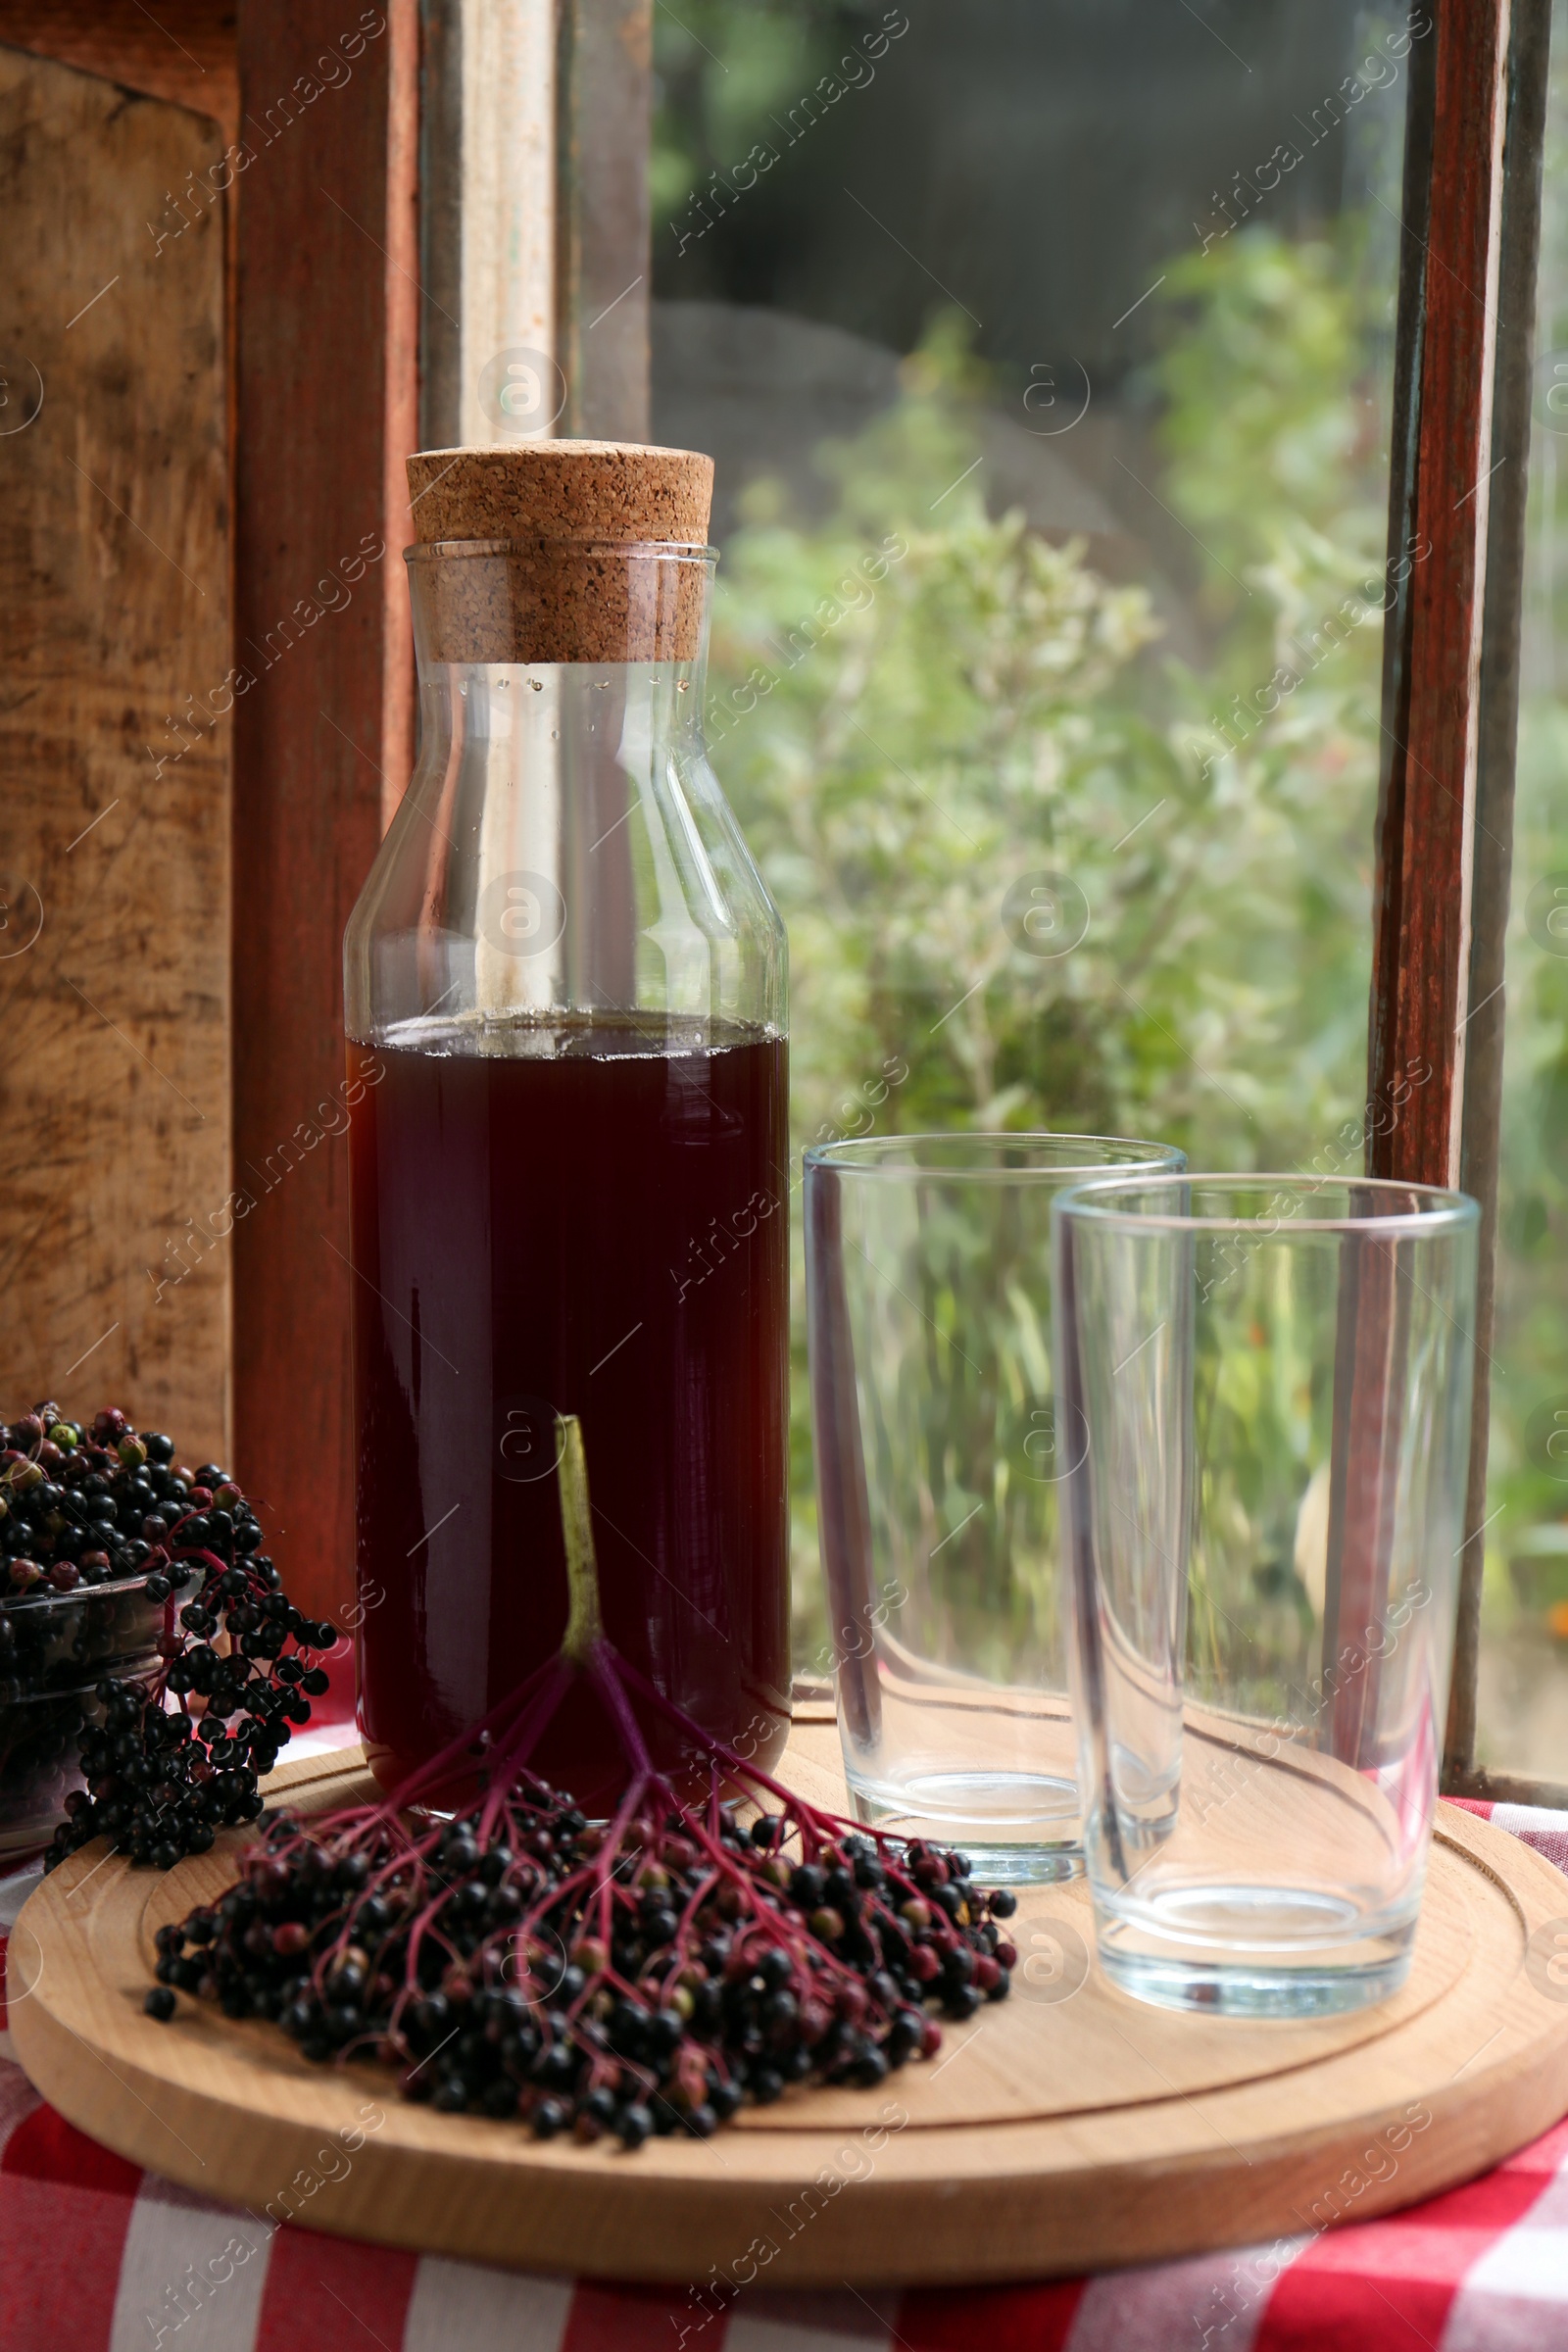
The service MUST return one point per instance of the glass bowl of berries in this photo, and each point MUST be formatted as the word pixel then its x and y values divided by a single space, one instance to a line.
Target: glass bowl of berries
pixel 100 1531
pixel 41 1733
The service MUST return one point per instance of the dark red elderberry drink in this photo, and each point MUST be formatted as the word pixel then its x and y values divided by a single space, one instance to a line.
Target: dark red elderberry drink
pixel 588 1214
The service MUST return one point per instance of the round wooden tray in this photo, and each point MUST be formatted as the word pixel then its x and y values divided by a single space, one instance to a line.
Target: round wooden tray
pixel 1068 2128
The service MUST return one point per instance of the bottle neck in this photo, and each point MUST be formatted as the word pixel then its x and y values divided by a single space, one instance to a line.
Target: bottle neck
pixel 559 643
pixel 558 602
pixel 562 730
pixel 563 850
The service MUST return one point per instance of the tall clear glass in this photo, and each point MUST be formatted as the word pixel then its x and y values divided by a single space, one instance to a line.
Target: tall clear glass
pixel 1272 1376
pixel 565 1009
pixel 940 1452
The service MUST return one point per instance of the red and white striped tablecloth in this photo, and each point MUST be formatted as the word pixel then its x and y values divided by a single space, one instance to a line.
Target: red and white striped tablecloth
pixel 96 2256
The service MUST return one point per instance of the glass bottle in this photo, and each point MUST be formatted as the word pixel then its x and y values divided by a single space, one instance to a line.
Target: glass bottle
pixel 564 992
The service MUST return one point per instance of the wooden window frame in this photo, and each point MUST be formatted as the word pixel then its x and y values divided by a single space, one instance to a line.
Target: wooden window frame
pixel 1464 343
pixel 357 318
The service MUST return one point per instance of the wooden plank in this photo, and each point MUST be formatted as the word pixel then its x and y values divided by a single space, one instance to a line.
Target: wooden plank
pixel 508 212
pixel 326 412
pixel 1370 1388
pixel 184 54
pixel 1441 496
pixel 1460 460
pixel 487 173
pixel 440 224
pixel 1485 1022
pixel 400 396
pixel 535 129
pixel 114 612
pixel 1069 2129
pixel 603 267
pixel 185 51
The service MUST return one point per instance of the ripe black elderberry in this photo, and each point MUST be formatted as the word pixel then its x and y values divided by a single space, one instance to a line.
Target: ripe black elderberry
pixel 518 1963
pixel 76 1506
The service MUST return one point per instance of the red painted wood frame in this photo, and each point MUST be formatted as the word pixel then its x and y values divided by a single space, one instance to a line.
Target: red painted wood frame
pixel 1471 218
pixel 326 412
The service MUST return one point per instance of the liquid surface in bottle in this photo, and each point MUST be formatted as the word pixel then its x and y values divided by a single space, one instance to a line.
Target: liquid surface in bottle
pixel 585 1215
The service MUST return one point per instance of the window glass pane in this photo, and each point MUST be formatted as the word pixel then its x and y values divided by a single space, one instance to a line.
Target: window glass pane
pixel 1523 1692
pixel 1045 348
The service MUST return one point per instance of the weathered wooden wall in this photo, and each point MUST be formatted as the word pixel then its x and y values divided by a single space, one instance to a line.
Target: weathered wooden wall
pixel 181 49
pixel 114 767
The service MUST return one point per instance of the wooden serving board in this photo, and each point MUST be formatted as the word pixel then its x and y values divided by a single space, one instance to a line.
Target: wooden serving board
pixel 1067 2129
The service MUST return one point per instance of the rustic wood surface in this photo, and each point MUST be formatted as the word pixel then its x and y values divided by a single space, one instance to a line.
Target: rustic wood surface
pixel 114 615
pixel 1053 2134
pixel 184 50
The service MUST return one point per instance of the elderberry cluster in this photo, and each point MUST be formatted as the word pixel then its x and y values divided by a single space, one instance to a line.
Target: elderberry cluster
pixel 521 1962
pixel 74 1506
pixel 82 1508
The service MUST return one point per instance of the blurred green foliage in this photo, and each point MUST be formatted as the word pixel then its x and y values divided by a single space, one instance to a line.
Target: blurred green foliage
pixel 942 1291
pixel 993 708
pixel 723 69
pixel 918 708
pixel 998 710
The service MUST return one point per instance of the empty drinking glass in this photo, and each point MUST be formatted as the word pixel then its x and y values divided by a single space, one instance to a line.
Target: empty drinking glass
pixel 940 1452
pixel 1272 1379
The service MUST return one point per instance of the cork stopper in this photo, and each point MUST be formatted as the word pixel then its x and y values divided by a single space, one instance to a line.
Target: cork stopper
pixel 561 590
pixel 562 490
